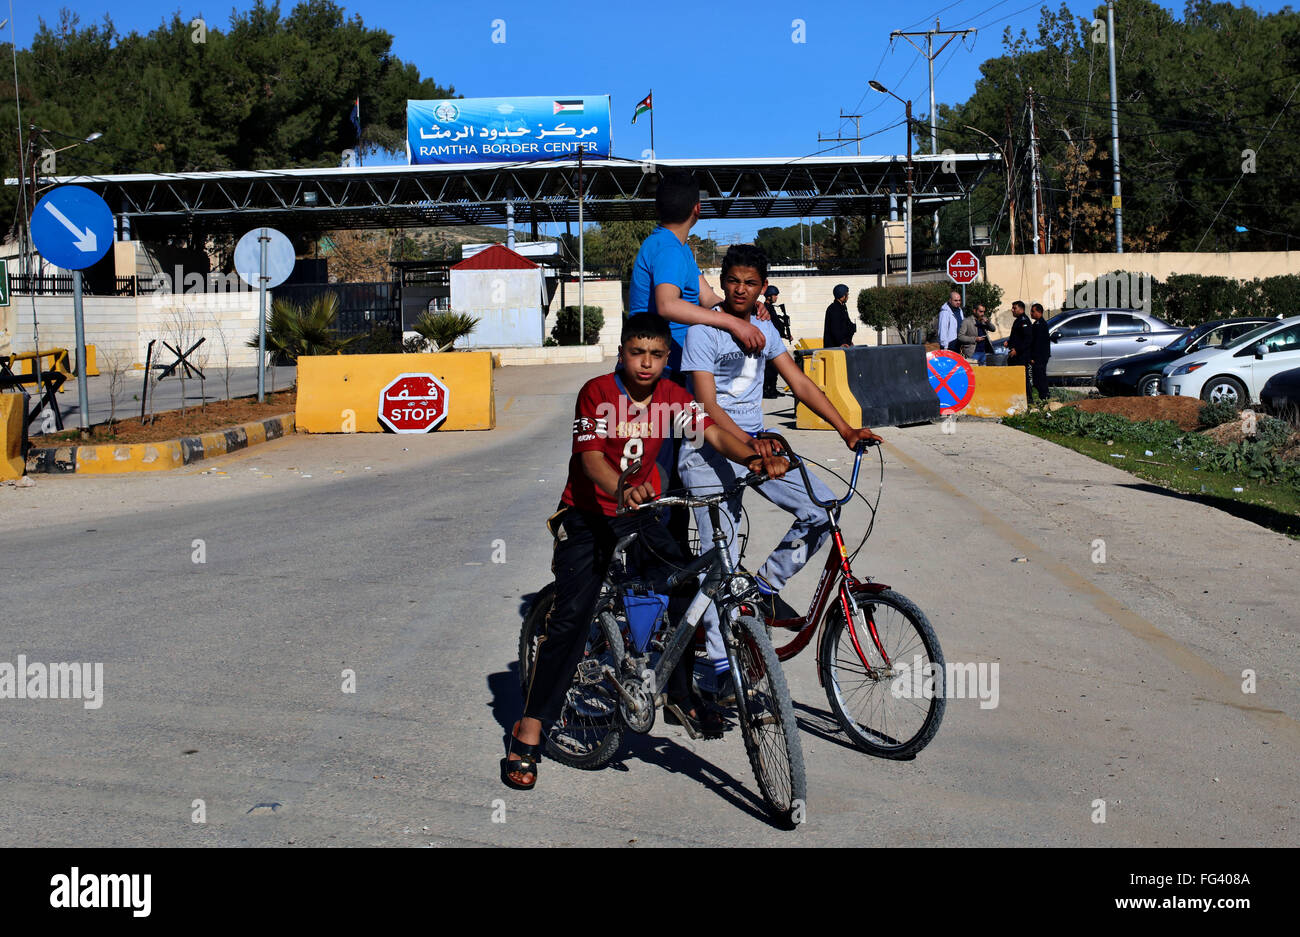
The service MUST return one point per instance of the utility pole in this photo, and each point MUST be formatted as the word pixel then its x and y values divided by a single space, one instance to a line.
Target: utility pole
pixel 857 132
pixel 1033 170
pixel 1115 200
pixel 930 56
pixel 582 271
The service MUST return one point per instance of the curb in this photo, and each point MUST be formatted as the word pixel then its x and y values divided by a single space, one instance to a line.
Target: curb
pixel 109 459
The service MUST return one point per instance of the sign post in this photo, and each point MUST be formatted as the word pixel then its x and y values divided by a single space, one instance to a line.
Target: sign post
pixel 263 258
pixel 72 227
pixel 4 283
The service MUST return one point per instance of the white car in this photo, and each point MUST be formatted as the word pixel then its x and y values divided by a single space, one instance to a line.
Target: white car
pixel 1237 371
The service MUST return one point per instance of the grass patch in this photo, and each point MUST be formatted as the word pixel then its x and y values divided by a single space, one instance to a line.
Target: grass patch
pixel 1275 506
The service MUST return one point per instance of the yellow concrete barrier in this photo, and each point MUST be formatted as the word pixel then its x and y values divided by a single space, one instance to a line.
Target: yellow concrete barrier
pixel 828 369
pixel 340 393
pixel 998 392
pixel 807 344
pixel 11 435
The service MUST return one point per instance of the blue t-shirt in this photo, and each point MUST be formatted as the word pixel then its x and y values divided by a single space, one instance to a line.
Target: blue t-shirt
pixel 664 259
pixel 738 376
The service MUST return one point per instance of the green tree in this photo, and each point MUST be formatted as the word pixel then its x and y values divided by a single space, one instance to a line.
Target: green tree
pixel 267 91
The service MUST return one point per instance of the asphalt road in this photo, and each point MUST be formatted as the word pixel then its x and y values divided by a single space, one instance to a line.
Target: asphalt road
pixel 1120 681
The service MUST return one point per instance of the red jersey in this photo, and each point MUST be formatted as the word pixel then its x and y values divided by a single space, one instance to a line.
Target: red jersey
pixel 606 420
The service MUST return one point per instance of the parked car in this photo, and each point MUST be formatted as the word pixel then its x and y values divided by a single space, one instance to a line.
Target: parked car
pixel 1280 394
pixel 1238 371
pixel 1085 339
pixel 1140 374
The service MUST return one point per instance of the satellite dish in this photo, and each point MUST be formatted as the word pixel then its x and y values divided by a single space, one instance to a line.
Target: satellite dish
pixel 279 257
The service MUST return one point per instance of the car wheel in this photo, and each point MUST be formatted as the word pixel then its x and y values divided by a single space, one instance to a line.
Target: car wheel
pixel 1225 390
pixel 1149 386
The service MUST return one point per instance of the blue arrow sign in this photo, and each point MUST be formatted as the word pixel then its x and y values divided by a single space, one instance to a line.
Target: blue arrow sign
pixel 72 227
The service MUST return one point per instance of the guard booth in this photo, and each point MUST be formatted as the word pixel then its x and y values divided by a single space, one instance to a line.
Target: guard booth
pixel 506 293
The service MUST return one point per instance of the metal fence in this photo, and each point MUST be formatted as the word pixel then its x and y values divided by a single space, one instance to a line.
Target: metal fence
pixel 61 285
pixel 362 306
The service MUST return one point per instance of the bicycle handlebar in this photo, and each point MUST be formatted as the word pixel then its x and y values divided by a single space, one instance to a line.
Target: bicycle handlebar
pixel 689 501
pixel 797 462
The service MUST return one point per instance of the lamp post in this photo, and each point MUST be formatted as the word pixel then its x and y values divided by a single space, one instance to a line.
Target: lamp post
pixel 27 249
pixel 907 231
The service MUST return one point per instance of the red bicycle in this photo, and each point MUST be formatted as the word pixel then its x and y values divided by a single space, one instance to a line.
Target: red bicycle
pixel 878 658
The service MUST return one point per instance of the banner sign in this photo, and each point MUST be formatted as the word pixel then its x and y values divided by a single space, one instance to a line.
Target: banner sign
pixel 494 130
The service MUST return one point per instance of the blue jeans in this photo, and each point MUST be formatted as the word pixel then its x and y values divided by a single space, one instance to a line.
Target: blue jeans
pixel 706 471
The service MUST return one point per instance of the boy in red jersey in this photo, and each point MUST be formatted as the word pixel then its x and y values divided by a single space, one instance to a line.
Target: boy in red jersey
pixel 620 419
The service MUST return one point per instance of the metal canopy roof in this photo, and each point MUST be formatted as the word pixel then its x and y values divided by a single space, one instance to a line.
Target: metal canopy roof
pixel 162 204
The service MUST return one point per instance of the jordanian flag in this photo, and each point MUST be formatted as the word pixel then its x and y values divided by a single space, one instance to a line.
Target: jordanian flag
pixel 567 107
pixel 643 107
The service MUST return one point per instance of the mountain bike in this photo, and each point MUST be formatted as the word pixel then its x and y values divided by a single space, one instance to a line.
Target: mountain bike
pixel 633 647
pixel 878 658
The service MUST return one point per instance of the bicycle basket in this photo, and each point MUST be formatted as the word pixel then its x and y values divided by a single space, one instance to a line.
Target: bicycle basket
pixel 643 614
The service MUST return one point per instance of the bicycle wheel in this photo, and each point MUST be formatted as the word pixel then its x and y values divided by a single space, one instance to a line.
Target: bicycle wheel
pixel 767 719
pixel 886 711
pixel 589 730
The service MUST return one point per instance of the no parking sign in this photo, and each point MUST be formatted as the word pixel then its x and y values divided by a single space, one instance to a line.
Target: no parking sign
pixel 952 379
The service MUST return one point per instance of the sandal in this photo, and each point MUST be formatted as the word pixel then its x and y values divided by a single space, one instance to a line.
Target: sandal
pixel 526 763
pixel 707 723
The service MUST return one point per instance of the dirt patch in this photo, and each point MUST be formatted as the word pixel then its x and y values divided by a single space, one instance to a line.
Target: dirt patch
pixel 1181 410
pixel 1226 434
pixel 218 415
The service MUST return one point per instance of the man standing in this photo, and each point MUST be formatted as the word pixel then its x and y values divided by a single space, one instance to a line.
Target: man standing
pixel 838 328
pixel 950 321
pixel 1040 349
pixel 973 335
pixel 1018 344
pixel 782 323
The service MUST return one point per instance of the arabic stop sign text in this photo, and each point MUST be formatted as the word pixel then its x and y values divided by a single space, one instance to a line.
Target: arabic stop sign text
pixel 963 267
pixel 413 403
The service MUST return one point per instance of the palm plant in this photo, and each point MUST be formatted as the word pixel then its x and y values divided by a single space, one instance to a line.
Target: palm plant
pixel 292 331
pixel 442 329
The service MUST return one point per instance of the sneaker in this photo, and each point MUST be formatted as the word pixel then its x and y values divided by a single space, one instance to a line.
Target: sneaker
pixel 707 723
pixel 773 607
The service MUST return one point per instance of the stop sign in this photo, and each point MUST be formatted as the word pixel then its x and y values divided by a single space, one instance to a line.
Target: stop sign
pixel 963 267
pixel 413 403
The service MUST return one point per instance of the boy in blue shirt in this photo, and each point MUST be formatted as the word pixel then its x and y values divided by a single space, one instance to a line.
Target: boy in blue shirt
pixel 727 380
pixel 667 281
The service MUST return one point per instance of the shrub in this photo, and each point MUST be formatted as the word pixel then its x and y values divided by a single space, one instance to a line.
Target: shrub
pixel 443 329
pixel 292 331
pixel 908 308
pixel 566 325
pixel 1216 414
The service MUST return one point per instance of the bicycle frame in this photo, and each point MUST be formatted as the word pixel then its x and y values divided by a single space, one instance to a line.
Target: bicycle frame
pixel 836 579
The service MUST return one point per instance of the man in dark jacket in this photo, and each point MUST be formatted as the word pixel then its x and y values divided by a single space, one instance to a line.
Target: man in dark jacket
pixel 1018 344
pixel 1040 349
pixel 837 332
pixel 782 323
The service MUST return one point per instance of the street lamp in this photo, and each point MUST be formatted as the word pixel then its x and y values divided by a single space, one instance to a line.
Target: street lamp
pixel 29 249
pixel 1006 163
pixel 907 232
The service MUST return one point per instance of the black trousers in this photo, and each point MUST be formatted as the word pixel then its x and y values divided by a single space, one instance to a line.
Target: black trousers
pixel 1039 370
pixel 769 379
pixel 580 562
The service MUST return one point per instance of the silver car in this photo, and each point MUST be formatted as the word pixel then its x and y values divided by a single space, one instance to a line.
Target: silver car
pixel 1085 339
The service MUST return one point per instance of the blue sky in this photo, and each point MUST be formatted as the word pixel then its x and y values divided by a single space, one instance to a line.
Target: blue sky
pixel 729 78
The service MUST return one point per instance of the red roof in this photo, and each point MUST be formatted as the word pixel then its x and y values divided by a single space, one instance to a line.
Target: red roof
pixel 496 257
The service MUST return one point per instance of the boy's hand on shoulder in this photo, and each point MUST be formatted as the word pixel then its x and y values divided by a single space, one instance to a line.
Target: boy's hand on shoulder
pixel 855 436
pixel 747 334
pixel 762 312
